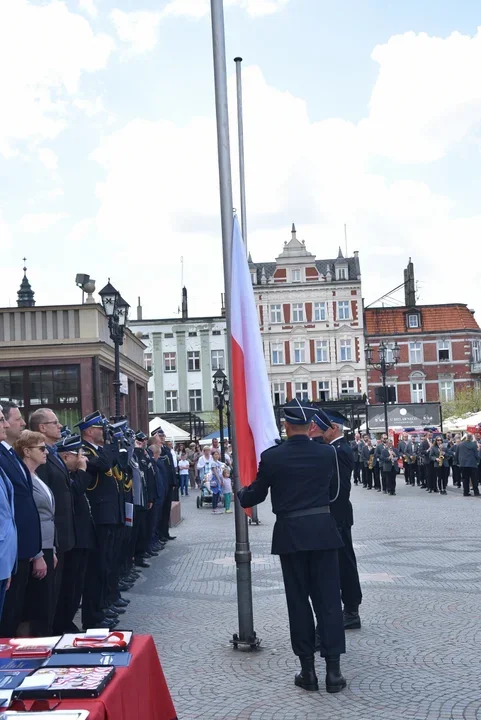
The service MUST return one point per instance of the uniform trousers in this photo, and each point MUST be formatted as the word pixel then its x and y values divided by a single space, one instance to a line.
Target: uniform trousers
pixel 73 579
pixel 351 593
pixel 96 578
pixel 470 474
pixel 364 475
pixel 14 600
pixel 456 475
pixel 165 514
pixel 314 575
pixel 113 592
pixel 431 476
pixel 153 524
pixel 357 472
pixel 139 535
pixel 369 474
pixel 377 476
pixel 407 473
pixel 391 481
pixel 39 605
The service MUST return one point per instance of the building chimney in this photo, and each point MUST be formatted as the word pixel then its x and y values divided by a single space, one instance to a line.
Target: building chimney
pixel 185 313
pixel 409 286
pixel 139 310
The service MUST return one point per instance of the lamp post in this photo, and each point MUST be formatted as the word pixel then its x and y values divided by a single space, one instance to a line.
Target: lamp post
pixel 117 311
pixel 227 407
pixel 383 366
pixel 220 380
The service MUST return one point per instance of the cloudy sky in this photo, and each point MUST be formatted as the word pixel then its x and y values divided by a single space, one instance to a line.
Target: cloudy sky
pixel 356 111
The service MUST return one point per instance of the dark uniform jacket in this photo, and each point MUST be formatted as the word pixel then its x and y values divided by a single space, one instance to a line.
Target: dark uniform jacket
pixel 341 509
pixel 378 450
pixel 406 447
pixel 103 490
pixel 26 514
pixel 300 475
pixel 436 452
pixel 84 524
pixel 172 475
pixel 467 454
pixel 386 463
pixel 56 476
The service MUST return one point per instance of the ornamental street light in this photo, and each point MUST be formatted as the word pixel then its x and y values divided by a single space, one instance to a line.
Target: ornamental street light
pixel 383 365
pixel 117 311
pixel 227 407
pixel 220 381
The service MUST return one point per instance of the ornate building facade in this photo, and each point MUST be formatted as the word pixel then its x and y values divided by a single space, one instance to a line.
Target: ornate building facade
pixel 311 320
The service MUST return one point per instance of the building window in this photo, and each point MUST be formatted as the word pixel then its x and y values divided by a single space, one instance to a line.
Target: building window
pixel 151 402
pixel 389 356
pixel 444 350
pixel 322 351
pixel 343 310
pixel 298 312
pixel 299 351
pixel 415 353
pixel 193 334
pixel 301 390
pixel 148 361
pixel 170 362
pixel 169 336
pixel 193 360
pixel 341 273
pixel 446 390
pixel 345 348
pixel 347 387
pixel 323 390
pixel 476 351
pixel 171 401
pixel 295 276
pixel 215 332
pixel 417 388
pixel 276 314
pixel 217 360
pixel 320 311
pixel 279 393
pixel 195 400
pixel 278 353
pixel 253 277
pixel 413 320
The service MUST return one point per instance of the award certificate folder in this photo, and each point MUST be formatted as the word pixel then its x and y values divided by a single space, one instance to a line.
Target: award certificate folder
pixel 71 682
pixel 28 663
pixel 55 714
pixel 89 659
pixel 12 679
pixel 117 641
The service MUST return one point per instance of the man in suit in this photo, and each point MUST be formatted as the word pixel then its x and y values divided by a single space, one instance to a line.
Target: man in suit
pixel 406 451
pixel 103 496
pixel 8 542
pixel 166 457
pixel 329 428
pixel 27 521
pixel 467 457
pixel 356 446
pixel 56 476
pixel 300 475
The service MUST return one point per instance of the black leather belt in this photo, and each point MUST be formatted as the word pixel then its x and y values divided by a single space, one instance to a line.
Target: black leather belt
pixel 310 511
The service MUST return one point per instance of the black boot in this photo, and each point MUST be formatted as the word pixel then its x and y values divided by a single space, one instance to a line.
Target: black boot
pixel 306 678
pixel 352 621
pixel 335 682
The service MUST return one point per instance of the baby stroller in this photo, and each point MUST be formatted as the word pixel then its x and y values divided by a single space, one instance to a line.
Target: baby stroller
pixel 205 497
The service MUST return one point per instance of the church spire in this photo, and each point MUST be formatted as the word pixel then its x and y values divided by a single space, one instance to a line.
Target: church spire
pixel 25 294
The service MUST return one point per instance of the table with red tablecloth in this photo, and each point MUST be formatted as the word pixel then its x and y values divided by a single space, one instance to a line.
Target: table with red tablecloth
pixel 138 691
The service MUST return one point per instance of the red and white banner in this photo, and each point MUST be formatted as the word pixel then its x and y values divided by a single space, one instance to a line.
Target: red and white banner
pixel 255 424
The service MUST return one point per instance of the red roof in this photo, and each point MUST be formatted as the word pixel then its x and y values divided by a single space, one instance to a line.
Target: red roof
pixel 434 318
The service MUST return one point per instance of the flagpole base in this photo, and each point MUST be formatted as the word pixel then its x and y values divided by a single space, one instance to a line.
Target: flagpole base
pixel 251 643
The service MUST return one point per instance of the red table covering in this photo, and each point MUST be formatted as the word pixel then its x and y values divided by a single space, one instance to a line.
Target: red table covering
pixel 138 691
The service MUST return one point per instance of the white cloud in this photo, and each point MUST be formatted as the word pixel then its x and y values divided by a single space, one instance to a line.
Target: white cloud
pixel 39 222
pixel 89 7
pixel 46 49
pixel 427 96
pixel 48 158
pixel 5 233
pixel 200 8
pixel 137 29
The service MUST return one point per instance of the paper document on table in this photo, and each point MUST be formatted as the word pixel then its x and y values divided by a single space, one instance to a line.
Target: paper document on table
pixel 38 681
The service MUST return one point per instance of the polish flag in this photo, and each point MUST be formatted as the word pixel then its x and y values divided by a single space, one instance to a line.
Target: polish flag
pixel 255 424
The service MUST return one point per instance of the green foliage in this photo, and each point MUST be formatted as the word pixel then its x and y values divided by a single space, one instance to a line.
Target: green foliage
pixel 467 400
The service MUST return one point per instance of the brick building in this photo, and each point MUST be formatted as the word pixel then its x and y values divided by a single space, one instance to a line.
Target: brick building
pixel 310 316
pixel 440 347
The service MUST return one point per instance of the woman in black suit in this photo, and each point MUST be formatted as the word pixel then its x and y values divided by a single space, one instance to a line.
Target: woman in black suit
pixel 39 600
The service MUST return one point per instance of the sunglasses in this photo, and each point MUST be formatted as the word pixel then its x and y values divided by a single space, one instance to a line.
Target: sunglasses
pixel 43 448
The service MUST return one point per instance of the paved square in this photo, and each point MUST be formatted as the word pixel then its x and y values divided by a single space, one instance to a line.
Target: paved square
pixel 418 655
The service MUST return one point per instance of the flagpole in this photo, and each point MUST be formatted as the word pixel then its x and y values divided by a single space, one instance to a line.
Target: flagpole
pixel 243 557
pixel 242 182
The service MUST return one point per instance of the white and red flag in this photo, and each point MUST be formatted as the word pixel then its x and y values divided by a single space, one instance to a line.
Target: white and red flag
pixel 255 424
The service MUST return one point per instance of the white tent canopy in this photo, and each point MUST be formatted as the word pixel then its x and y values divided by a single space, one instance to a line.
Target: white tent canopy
pixel 454 424
pixel 172 432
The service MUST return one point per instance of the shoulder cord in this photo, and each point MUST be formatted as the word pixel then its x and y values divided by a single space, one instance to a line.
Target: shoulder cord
pixel 338 475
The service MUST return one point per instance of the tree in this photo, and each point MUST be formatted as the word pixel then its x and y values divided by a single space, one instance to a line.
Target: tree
pixel 467 400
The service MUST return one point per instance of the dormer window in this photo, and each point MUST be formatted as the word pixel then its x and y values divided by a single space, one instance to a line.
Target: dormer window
pixel 341 273
pixel 253 277
pixel 413 320
pixel 295 276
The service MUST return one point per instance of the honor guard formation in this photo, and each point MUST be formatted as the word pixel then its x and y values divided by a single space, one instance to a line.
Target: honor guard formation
pixel 79 515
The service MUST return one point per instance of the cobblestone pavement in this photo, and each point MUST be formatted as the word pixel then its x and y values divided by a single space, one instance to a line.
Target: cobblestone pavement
pixel 417 656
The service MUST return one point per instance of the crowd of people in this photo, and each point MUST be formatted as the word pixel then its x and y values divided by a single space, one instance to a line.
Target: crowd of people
pixel 80 515
pixel 427 459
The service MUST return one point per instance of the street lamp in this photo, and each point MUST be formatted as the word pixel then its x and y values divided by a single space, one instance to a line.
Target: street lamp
pixel 220 381
pixel 117 311
pixel 227 406
pixel 383 365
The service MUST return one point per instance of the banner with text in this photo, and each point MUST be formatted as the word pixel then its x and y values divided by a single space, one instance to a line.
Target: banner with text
pixel 417 415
